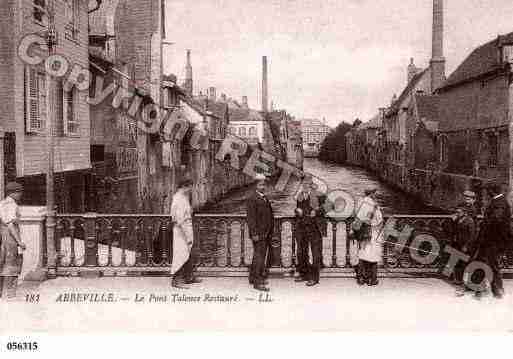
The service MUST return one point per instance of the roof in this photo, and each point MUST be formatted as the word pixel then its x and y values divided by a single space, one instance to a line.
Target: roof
pixel 374 122
pixel 481 61
pixel 244 114
pixel 217 108
pixel 427 107
pixel 408 89
pixel 311 122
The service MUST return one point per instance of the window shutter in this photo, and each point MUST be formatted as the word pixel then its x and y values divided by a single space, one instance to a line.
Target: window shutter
pixel 33 120
pixel 68 114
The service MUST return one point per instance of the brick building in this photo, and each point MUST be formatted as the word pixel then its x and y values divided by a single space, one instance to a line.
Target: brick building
pixel 24 109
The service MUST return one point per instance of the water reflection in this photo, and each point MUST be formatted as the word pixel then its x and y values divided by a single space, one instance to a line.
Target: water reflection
pixel 349 179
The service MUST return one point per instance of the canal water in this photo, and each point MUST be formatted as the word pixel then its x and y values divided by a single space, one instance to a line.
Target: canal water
pixel 350 179
pixel 216 237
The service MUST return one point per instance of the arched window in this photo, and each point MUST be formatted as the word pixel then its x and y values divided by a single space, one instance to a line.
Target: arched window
pixel 443 148
pixel 493 149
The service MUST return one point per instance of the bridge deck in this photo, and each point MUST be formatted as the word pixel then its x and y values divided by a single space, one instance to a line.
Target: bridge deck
pixel 396 304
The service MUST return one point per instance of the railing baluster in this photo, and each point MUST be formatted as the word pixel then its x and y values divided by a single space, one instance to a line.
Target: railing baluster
pixel 110 240
pixel 90 240
pixel 164 243
pixel 334 245
pixel 122 241
pixel 242 244
pixel 58 239
pixel 215 241
pixel 138 249
pixel 72 259
pixel 280 242
pixel 348 243
pixel 149 243
pixel 228 244
pixel 293 244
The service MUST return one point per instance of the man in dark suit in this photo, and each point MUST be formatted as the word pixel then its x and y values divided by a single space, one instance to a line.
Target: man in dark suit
pixel 495 235
pixel 308 233
pixel 260 220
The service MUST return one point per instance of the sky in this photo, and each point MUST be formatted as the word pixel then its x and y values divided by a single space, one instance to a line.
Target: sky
pixel 332 59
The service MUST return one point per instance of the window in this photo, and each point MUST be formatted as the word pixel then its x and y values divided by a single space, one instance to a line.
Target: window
pixel 71 125
pixel 252 132
pixel 35 97
pixel 233 131
pixel 242 131
pixel 508 54
pixel 39 12
pixel 444 149
pixel 493 149
pixel 72 15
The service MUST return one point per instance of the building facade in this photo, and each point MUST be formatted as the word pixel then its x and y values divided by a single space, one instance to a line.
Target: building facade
pixel 29 96
pixel 314 132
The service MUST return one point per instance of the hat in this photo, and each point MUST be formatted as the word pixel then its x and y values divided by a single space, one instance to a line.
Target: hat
pixel 260 177
pixel 469 194
pixel 185 181
pixel 13 187
pixel 307 179
pixel 370 191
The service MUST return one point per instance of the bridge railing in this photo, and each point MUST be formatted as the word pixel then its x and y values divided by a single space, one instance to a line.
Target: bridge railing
pixel 115 244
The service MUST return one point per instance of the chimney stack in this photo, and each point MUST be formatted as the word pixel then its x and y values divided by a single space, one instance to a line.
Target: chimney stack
pixel 264 84
pixel 412 70
pixel 188 75
pixel 437 61
pixel 245 101
pixel 212 93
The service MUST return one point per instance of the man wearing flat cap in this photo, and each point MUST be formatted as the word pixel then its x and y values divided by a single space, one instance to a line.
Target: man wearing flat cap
pixel 495 236
pixel 469 199
pixel 260 218
pixel 11 244
pixel 465 233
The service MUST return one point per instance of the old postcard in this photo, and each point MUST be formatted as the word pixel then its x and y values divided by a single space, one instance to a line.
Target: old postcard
pixel 255 165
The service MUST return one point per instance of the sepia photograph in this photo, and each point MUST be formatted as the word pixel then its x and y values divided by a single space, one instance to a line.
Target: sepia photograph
pixel 172 166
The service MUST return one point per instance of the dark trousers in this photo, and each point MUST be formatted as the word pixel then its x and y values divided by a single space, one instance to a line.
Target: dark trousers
pixel 302 266
pixel 257 272
pixel 316 248
pixel 459 268
pixel 186 272
pixel 490 255
pixel 8 286
pixel 367 272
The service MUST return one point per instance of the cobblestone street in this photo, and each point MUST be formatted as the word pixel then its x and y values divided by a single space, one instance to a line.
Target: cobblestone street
pixel 229 304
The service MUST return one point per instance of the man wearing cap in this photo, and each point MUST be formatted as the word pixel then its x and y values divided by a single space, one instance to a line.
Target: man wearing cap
pixel 465 232
pixel 469 199
pixel 495 236
pixel 260 218
pixel 370 249
pixel 308 233
pixel 183 237
pixel 11 244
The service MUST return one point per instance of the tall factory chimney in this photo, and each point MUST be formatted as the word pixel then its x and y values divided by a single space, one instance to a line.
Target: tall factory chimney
pixel 264 84
pixel 188 75
pixel 438 61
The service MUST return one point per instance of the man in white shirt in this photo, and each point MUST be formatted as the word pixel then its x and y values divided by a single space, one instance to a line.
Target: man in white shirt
pixel 183 237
